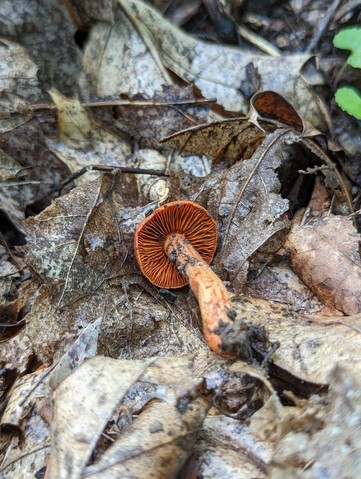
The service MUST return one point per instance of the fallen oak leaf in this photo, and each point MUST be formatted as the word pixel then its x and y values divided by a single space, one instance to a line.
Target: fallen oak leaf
pixel 269 105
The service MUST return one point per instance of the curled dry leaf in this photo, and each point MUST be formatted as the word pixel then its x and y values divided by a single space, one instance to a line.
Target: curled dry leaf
pixel 150 187
pixel 21 400
pixel 81 141
pixel 159 439
pixel 269 105
pixel 325 254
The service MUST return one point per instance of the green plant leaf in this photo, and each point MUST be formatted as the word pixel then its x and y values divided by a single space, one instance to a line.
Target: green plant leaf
pixel 349 100
pixel 350 39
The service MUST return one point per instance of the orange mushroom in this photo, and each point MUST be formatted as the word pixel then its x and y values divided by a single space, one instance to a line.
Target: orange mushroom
pixel 174 247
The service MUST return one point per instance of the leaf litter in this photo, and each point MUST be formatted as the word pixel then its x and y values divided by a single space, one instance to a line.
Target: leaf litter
pixel 144 406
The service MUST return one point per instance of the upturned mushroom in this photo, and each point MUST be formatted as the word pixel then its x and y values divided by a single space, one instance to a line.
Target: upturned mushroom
pixel 173 247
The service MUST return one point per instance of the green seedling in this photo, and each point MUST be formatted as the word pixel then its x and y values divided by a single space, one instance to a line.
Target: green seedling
pixel 349 98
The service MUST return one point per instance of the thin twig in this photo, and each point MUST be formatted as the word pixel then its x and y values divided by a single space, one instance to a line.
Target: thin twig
pixel 104 168
pixel 132 103
pixel 319 32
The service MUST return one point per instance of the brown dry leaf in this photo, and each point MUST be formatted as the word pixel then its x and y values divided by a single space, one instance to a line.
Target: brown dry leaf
pixel 333 449
pixel 158 440
pixel 50 43
pixel 175 108
pixel 226 140
pixel 24 431
pixel 310 346
pixel 26 144
pixel 76 241
pixel 82 142
pixel 217 70
pixel 135 324
pixel 17 301
pixel 18 83
pixel 325 254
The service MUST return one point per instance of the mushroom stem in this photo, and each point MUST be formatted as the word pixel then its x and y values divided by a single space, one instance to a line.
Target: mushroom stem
pixel 216 309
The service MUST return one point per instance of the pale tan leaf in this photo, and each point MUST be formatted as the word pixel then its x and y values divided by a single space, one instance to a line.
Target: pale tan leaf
pixel 82 142
pixel 158 440
pixel 90 10
pixel 84 347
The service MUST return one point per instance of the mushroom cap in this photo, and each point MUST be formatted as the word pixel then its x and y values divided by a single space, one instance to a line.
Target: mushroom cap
pixel 183 217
